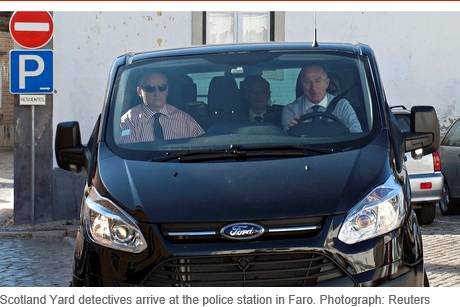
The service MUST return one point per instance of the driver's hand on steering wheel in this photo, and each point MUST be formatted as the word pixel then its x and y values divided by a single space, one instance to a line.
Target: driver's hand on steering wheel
pixel 294 122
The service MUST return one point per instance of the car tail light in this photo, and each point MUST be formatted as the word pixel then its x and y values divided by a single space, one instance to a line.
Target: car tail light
pixel 436 161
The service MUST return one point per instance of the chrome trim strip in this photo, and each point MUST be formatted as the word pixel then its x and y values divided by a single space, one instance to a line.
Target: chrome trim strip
pixel 212 233
pixel 294 228
pixel 191 233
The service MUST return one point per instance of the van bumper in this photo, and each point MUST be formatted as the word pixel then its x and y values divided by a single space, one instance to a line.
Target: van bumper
pixel 413 277
pixel 394 265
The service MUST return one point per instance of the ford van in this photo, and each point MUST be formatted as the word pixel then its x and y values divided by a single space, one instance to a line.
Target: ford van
pixel 245 203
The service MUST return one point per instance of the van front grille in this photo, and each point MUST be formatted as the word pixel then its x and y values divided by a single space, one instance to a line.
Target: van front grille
pixel 274 229
pixel 255 269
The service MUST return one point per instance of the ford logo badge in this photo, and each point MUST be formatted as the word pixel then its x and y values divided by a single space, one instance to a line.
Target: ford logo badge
pixel 242 231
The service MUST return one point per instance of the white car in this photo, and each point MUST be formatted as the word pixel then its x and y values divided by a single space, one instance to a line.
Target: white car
pixel 425 176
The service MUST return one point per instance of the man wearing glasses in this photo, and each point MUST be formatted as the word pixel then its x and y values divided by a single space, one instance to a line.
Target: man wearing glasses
pixel 154 119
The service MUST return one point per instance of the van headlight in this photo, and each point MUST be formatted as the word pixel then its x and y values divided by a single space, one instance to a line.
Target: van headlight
pixel 380 212
pixel 109 226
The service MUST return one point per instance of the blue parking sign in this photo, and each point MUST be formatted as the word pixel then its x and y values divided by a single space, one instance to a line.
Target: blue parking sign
pixel 31 71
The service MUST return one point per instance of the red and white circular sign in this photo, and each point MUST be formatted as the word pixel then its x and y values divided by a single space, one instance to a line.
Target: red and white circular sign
pixel 31 30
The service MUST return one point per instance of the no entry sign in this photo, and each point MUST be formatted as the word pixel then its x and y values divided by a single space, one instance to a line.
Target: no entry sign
pixel 31 30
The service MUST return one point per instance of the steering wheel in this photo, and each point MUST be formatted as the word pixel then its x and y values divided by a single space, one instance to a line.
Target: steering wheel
pixel 301 129
pixel 304 117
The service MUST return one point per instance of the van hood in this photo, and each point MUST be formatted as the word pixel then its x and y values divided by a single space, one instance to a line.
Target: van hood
pixel 321 185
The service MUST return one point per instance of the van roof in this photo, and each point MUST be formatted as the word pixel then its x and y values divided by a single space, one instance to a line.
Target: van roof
pixel 358 48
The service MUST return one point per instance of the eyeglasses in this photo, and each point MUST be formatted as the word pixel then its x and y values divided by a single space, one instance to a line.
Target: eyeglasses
pixel 154 88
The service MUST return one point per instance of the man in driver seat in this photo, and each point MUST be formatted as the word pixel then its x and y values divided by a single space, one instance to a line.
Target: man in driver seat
pixel 314 81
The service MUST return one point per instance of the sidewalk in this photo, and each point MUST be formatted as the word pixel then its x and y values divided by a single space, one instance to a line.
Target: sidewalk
pixel 57 229
pixel 6 178
pixel 54 229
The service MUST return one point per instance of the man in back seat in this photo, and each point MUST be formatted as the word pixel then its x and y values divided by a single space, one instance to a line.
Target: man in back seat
pixel 257 97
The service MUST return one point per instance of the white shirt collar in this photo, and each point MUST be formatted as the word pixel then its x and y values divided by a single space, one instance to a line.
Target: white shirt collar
pixel 252 115
pixel 323 103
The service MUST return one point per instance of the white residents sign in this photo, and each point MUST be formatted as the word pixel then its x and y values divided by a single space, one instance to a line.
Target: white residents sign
pixel 32 100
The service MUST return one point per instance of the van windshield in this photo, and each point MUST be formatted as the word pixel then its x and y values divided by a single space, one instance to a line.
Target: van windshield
pixel 247 100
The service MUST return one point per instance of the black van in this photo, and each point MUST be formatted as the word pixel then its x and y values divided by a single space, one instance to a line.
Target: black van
pixel 217 199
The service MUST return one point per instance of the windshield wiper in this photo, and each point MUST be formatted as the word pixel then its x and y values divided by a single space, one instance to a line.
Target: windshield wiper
pixel 239 152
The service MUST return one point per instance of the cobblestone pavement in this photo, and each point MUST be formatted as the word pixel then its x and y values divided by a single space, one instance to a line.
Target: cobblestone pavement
pixel 441 246
pixel 37 262
pixel 47 261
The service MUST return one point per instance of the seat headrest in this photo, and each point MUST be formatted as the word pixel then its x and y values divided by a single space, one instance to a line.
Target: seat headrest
pixel 223 95
pixel 182 89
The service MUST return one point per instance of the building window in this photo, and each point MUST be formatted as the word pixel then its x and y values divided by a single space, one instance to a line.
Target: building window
pixel 232 27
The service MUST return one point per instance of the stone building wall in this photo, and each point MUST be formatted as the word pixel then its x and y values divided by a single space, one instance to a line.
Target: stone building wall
pixel 6 98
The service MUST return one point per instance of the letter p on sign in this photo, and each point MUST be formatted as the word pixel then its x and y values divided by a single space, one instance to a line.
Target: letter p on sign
pixel 23 72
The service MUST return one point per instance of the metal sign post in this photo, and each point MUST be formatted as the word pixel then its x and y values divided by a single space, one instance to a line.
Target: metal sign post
pixel 32 165
pixel 31 71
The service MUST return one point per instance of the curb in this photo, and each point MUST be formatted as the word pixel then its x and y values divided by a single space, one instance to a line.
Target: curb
pixel 50 229
pixel 39 234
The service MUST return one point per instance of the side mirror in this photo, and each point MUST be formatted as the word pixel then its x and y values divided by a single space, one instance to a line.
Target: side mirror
pixel 424 131
pixel 68 149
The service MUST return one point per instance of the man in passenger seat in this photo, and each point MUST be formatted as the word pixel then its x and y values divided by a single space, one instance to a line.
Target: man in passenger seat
pixel 314 81
pixel 154 119
pixel 257 97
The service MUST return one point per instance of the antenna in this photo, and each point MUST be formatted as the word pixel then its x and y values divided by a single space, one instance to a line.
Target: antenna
pixel 315 42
